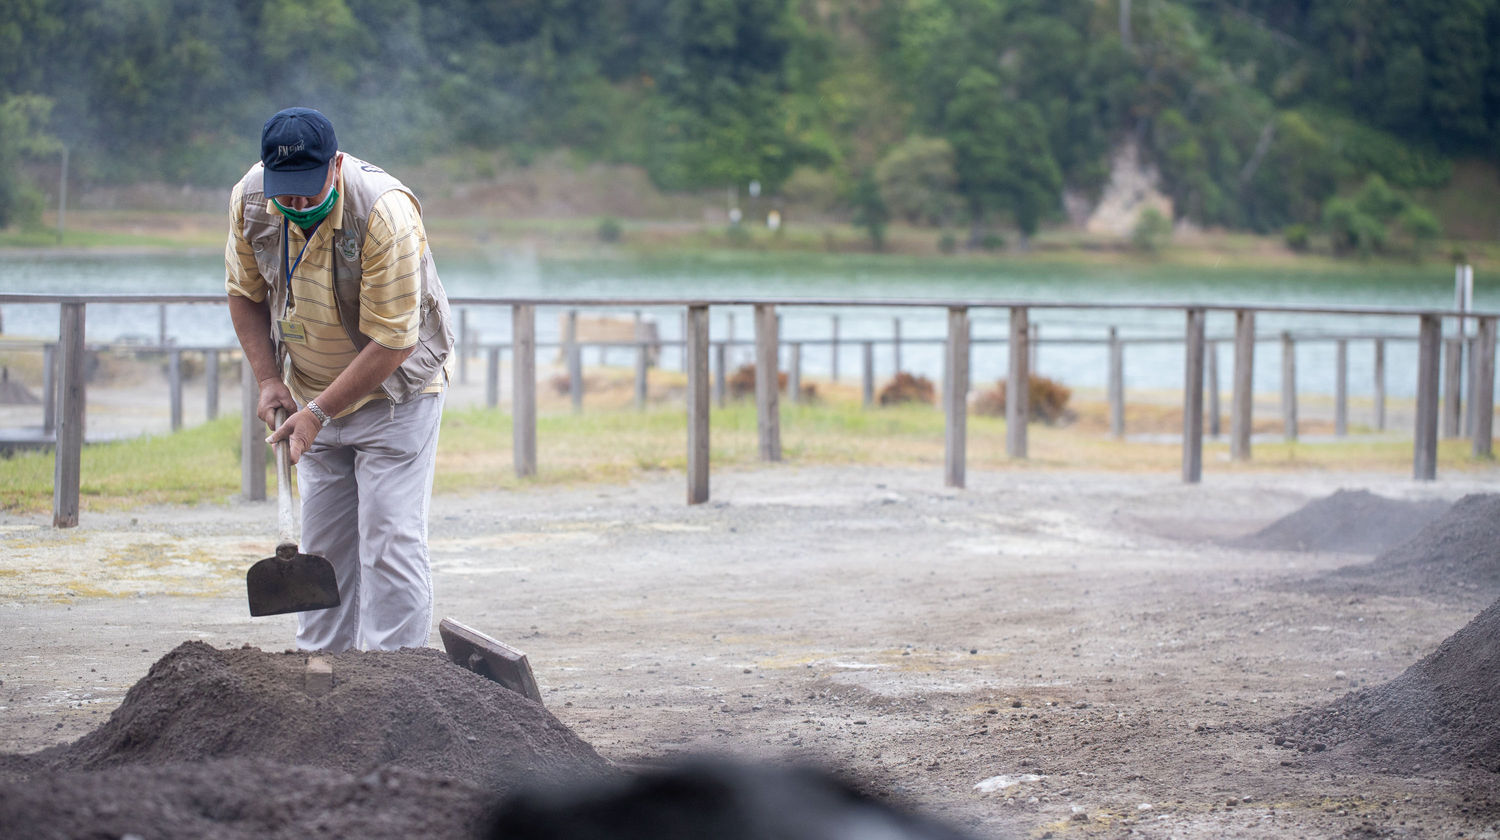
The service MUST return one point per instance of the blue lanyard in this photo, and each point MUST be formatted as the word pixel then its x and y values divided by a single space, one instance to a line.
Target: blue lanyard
pixel 286 267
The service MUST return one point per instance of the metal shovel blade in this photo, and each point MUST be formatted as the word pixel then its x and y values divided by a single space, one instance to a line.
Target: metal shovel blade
pixel 488 657
pixel 291 582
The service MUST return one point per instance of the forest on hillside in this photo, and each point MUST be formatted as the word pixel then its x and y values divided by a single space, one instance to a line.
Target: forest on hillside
pixel 1260 115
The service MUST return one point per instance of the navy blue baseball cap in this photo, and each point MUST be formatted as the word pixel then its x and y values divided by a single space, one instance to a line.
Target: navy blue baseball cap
pixel 296 145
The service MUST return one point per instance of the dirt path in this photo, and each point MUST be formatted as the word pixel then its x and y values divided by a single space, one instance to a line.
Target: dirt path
pixel 1043 652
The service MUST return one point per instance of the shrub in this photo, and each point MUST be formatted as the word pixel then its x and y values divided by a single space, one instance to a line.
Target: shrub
pixel 1297 237
pixel 907 388
pixel 610 229
pixel 948 243
pixel 741 384
pixel 1421 226
pixel 1047 401
pixel 1152 231
pixel 992 242
pixel 917 181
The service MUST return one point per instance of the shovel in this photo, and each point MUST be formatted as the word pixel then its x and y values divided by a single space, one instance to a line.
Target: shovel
pixel 291 581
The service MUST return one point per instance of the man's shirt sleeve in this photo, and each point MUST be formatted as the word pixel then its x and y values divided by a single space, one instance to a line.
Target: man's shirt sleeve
pixel 241 274
pixel 390 289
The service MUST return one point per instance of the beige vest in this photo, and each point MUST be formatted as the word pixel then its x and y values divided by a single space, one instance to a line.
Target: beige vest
pixel 364 183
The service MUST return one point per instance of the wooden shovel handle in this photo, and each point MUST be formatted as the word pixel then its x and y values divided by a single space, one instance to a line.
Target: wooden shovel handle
pixel 286 539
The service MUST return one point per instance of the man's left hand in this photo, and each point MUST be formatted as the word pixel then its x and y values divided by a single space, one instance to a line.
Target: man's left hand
pixel 298 431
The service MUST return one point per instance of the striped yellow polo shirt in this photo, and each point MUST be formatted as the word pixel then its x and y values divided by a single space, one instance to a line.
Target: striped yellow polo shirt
pixel 389 295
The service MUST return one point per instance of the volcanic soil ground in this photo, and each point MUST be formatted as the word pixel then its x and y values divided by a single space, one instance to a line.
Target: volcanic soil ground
pixel 1042 654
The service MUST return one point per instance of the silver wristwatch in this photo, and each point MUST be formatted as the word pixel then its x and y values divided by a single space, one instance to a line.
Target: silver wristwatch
pixel 317 412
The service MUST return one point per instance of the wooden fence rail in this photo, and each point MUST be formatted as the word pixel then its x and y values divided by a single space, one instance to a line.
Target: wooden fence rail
pixel 68 380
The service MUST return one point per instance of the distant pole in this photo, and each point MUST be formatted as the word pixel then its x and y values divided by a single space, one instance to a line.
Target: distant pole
pixel 252 432
pixel 69 450
pixel 1429 349
pixel 956 397
pixel 1341 388
pixel 62 197
pixel 1288 386
pixel 1192 398
pixel 834 353
pixel 1017 385
pixel 1380 384
pixel 695 350
pixel 523 389
pixel 1242 400
pixel 896 345
pixel 1484 389
pixel 767 384
pixel 1116 384
pixel 1212 361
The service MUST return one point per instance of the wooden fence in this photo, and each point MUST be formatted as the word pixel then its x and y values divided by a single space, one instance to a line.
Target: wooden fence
pixel 1200 365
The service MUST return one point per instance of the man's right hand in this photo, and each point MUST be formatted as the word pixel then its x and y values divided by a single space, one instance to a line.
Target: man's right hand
pixel 273 395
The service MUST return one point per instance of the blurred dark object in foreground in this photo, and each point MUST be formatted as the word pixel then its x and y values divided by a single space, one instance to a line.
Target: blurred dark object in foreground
pixel 712 798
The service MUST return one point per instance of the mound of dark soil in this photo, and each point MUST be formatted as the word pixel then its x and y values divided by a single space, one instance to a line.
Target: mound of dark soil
pixel 230 744
pixel 1456 556
pixel 1352 521
pixel 240 799
pixel 1441 713
pixel 411 709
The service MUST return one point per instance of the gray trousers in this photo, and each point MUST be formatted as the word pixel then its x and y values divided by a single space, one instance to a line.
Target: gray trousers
pixel 366 486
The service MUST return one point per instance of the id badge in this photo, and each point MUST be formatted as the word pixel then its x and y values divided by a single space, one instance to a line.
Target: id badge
pixel 292 331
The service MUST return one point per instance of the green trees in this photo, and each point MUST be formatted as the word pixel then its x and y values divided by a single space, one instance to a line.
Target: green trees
pixel 1372 218
pixel 1256 114
pixel 23 120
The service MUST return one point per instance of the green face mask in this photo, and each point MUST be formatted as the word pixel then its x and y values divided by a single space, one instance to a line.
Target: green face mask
pixel 311 216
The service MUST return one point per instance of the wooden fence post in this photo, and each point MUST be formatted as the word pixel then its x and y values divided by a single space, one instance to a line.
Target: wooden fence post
pixel 794 376
pixel 721 381
pixel 49 388
pixel 697 399
pixel 1341 388
pixel 575 362
pixel 956 397
pixel 896 346
pixel 174 386
pixel 463 345
pixel 523 389
pixel 1429 349
pixel 867 375
pixel 1453 365
pixel 1192 399
pixel 834 351
pixel 1380 384
pixel 1288 386
pixel 492 378
pixel 1116 385
pixel 68 456
pixel 641 381
pixel 1483 394
pixel 211 384
pixel 1018 385
pixel 252 438
pixel 767 384
pixel 1212 360
pixel 1242 402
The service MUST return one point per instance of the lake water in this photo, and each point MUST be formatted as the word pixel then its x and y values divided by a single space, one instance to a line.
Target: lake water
pixel 810 276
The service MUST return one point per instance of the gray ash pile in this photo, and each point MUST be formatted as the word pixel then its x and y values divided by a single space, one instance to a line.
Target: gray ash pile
pixel 224 743
pixel 1455 558
pixel 1440 714
pixel 1349 521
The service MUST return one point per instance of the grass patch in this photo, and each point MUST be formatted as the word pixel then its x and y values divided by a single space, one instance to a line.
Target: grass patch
pixel 613 445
